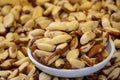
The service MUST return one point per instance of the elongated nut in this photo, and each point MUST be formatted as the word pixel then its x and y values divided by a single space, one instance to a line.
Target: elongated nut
pixel 36 33
pixel 13 74
pixel 106 21
pixel 29 25
pixel 87 47
pixel 74 53
pixel 4 55
pixel 76 63
pixel 5 73
pixel 117 43
pixel 6 9
pixel 87 60
pixel 2 29
pixel 105 38
pixel 68 7
pixel 13 52
pixel 21 61
pixel 51 34
pixel 38 12
pixel 41 53
pixel 73 25
pixel 48 10
pixel 25 18
pixel 23 67
pixel 43 40
pixel 44 76
pixel 61 48
pixel 7 64
pixel 60 39
pixel 20 55
pixel 8 20
pixel 59 62
pixel 46 46
pixel 74 43
pixel 86 37
pixel 97 49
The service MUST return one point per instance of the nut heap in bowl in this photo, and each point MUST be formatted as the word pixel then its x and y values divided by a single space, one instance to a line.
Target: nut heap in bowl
pixel 67 45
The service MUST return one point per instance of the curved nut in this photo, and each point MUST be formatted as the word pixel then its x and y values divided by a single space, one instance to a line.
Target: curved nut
pixel 61 39
pixel 76 63
pixel 96 50
pixel 46 46
pixel 61 48
pixel 8 20
pixel 86 37
pixel 117 43
pixel 41 53
pixel 51 34
pixel 87 47
pixel 5 73
pixel 59 62
pixel 25 18
pixel 74 43
pixel 4 55
pixel 74 53
pixel 13 52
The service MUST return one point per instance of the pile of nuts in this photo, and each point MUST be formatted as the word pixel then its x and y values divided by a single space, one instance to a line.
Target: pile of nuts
pixel 61 34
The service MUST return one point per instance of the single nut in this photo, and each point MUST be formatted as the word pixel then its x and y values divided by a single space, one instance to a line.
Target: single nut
pixel 87 60
pixel 8 20
pixel 86 37
pixel 68 7
pixel 61 48
pixel 23 67
pixel 43 40
pixel 51 34
pixel 27 9
pixel 74 43
pixel 48 10
pixel 96 49
pixel 6 2
pixel 25 18
pixel 6 9
pixel 86 5
pixel 44 76
pixel 13 74
pixel 73 25
pixel 5 73
pixel 38 12
pixel 76 63
pixel 46 46
pixel 20 55
pixel 13 52
pixel 29 25
pixel 41 53
pixel 2 29
pixel 4 55
pixel 87 47
pixel 74 53
pixel 59 63
pixel 117 43
pixel 105 37
pixel 10 36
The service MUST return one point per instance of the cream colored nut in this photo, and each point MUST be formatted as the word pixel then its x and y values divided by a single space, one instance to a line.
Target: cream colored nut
pixel 41 2
pixel 48 10
pixel 43 23
pixel 29 25
pixel 30 67
pixel 102 77
pixel 20 55
pixel 27 9
pixel 55 78
pixel 55 13
pixel 117 43
pixel 68 7
pixel 4 55
pixel 116 57
pixel 60 39
pixel 5 73
pixel 105 54
pixel 46 46
pixel 44 76
pixel 74 43
pixel 31 73
pixel 13 74
pixel 6 9
pixel 51 34
pixel 88 26
pixel 57 26
pixel 25 18
pixel 86 5
pixel 61 48
pixel 114 74
pixel 106 21
pixel 86 37
pixel 21 61
pixel 105 38
pixel 13 52
pixel 76 63
pixel 108 70
pixel 1 19
pixel 16 11
pixel 112 7
pixel 59 62
pixel 87 47
pixel 73 25
pixel 43 40
pixel 2 29
pixel 35 33
pixel 118 3
pixel 10 36
pixel 7 64
pixel 23 67
pixel 6 2
pixel 15 78
pixel 41 53
pixel 38 12
pixel 74 53
pixel 22 76
pixel 8 20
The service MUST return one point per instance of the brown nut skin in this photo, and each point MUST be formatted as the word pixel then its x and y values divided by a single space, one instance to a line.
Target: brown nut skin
pixel 98 48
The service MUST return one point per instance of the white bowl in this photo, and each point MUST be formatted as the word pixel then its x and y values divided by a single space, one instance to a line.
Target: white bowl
pixel 70 73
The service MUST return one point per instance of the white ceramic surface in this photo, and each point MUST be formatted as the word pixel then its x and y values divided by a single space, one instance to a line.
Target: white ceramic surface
pixel 74 72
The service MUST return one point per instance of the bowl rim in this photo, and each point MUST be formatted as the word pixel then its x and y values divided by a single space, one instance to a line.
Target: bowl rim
pixel 73 70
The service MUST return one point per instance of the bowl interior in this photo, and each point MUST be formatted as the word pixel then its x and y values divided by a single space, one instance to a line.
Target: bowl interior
pixel 74 72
